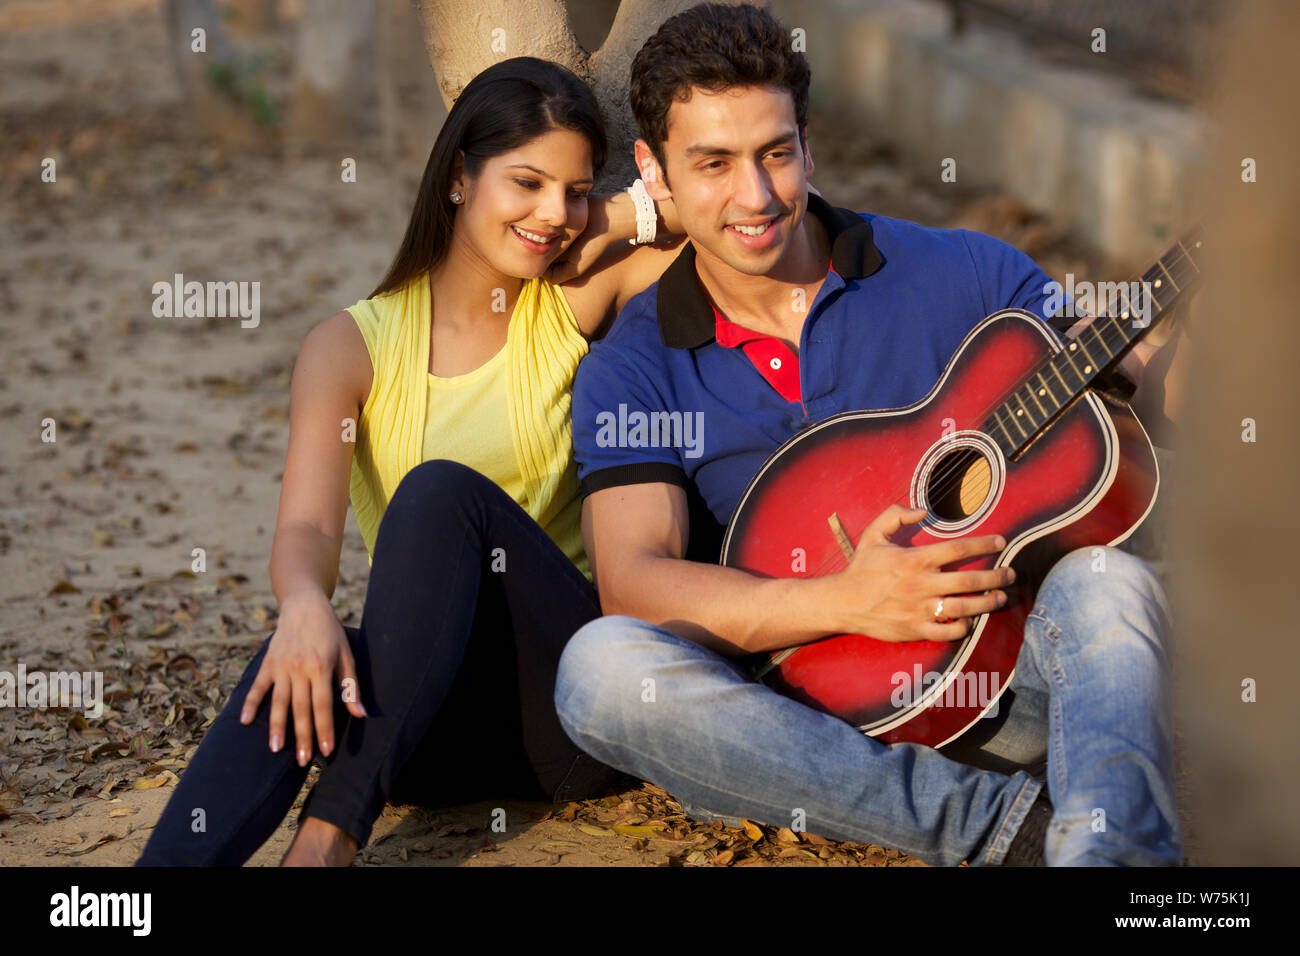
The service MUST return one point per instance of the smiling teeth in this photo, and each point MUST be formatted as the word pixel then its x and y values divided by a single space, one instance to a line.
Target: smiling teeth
pixel 752 230
pixel 543 240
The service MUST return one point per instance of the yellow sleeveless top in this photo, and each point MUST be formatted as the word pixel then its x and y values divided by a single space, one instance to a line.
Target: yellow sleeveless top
pixel 508 419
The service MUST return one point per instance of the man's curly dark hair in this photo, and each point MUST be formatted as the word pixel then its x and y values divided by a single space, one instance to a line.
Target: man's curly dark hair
pixel 714 46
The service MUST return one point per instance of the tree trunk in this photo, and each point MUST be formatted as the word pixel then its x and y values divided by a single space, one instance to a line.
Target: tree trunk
pixel 460 36
pixel 1236 526
pixel 220 115
pixel 334 94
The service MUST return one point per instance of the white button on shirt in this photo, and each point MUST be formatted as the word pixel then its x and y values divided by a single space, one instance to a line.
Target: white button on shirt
pixel 775 363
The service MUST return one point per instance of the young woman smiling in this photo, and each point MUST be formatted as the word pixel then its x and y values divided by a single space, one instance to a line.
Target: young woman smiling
pixel 457 374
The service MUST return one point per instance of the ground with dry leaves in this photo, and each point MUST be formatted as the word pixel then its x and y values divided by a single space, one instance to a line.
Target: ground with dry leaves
pixel 171 435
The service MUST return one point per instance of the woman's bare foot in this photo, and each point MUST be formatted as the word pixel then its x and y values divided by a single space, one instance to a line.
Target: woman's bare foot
pixel 320 844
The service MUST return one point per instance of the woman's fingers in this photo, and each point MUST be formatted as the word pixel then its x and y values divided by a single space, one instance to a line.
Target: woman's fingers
pixel 322 705
pixel 253 699
pixel 302 717
pixel 279 713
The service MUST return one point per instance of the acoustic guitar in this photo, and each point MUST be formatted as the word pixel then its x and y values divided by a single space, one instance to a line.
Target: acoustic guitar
pixel 1015 439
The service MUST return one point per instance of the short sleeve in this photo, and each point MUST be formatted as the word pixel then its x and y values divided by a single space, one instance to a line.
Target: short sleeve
pixel 615 407
pixel 1009 279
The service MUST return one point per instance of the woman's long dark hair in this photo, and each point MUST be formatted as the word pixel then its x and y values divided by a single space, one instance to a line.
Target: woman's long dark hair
pixel 505 106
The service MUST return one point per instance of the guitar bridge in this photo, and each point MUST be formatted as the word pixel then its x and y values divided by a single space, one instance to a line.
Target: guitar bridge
pixel 841 536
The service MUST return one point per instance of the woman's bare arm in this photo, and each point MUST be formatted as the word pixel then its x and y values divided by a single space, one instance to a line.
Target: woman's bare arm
pixel 601 271
pixel 331 380
pixel 309 651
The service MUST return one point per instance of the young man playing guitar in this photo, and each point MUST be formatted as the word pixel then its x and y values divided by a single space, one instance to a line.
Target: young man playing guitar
pixel 781 311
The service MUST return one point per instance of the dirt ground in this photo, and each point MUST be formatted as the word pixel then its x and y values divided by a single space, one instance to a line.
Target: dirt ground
pixel 170 436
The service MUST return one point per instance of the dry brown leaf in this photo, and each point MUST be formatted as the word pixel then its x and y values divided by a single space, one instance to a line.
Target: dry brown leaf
pixel 751 830
pixel 162 780
pixel 558 846
pixel 93 843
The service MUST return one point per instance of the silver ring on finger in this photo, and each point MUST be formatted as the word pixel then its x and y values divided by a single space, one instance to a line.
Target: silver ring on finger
pixel 938 614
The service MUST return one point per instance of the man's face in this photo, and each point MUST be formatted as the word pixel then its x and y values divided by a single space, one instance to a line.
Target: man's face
pixel 737 174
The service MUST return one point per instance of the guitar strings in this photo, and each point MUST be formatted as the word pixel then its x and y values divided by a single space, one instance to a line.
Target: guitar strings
pixel 948 480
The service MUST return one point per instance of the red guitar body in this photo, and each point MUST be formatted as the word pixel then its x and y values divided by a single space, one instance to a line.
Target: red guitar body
pixel 1088 479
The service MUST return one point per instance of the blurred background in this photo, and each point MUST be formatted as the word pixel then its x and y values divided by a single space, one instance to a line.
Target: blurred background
pixel 128 157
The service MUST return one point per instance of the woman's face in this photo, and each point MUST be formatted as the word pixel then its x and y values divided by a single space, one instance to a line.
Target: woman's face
pixel 527 205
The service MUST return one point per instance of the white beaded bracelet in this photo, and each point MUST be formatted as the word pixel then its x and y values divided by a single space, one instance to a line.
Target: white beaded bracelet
pixel 647 219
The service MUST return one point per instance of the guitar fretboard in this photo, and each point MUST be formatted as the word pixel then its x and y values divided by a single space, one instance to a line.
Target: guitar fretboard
pixel 1062 377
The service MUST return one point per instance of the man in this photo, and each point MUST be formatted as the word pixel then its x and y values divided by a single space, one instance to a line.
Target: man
pixel 656 688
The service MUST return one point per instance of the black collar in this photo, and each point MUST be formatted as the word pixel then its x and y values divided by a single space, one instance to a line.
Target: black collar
pixel 685 313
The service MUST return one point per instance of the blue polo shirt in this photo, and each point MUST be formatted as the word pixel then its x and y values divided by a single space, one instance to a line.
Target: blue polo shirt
pixel 660 400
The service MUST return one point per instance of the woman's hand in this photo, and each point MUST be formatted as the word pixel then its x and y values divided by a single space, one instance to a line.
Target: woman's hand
pixel 307 651
pixel 610 220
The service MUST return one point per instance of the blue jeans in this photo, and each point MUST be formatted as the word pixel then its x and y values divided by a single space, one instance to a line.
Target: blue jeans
pixel 1091 705
pixel 456 658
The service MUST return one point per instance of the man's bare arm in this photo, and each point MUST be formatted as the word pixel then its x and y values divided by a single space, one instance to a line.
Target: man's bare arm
pixel 636 535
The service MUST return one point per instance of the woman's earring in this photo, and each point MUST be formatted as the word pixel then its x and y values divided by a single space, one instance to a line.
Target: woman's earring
pixel 456 197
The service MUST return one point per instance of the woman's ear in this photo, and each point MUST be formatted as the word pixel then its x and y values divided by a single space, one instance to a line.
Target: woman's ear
pixel 652 174
pixel 458 183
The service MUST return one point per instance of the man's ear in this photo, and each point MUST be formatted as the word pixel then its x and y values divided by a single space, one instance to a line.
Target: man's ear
pixel 652 173
pixel 808 166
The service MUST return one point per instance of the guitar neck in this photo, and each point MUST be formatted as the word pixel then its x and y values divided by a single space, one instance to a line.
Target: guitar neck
pixel 1127 311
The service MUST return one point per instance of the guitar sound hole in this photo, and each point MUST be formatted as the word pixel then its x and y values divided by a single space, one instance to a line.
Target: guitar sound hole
pixel 958 485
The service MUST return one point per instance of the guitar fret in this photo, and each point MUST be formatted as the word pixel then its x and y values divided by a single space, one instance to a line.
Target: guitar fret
pixel 1029 415
pixel 1119 346
pixel 1123 336
pixel 1161 264
pixel 1068 391
pixel 1011 442
pixel 1074 368
pixel 1188 256
pixel 1109 353
pixel 1092 362
pixel 1047 388
pixel 1156 287
pixel 1128 303
pixel 1038 403
pixel 1016 421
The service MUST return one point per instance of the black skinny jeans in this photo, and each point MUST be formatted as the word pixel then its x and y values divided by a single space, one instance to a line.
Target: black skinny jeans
pixel 456 668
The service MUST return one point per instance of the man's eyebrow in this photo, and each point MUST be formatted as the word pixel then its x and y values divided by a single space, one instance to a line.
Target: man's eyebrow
pixel 546 175
pixel 706 150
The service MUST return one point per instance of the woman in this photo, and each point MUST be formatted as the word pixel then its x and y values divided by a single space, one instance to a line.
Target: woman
pixel 441 405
